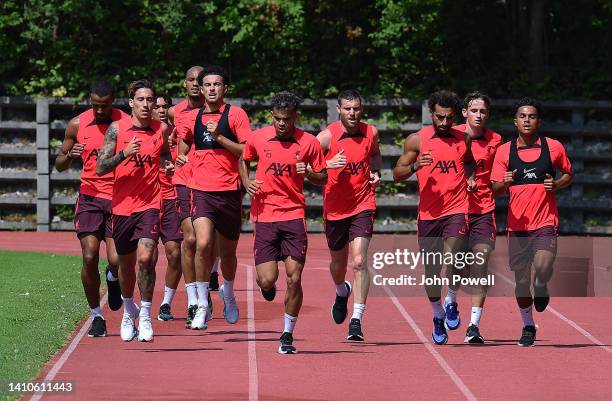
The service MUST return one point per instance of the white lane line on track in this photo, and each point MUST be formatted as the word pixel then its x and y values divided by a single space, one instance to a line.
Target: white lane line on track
pixel 567 320
pixel 432 350
pixel 68 351
pixel 252 345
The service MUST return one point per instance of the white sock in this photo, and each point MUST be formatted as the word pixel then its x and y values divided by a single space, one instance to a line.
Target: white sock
pixel 228 289
pixel 341 290
pixel 451 296
pixel 129 306
pixel 192 294
pixel 527 316
pixel 438 310
pixel 358 310
pixel 215 266
pixel 289 323
pixel 110 277
pixel 96 312
pixel 202 287
pixel 145 309
pixel 476 314
pixel 168 295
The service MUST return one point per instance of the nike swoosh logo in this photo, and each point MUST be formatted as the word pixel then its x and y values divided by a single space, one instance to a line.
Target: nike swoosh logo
pixel 528 171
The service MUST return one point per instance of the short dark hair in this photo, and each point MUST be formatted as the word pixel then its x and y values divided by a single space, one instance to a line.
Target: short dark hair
pixel 350 94
pixel 476 95
pixel 528 101
pixel 166 98
pixel 102 88
pixel 140 84
pixel 213 70
pixel 445 99
pixel 285 101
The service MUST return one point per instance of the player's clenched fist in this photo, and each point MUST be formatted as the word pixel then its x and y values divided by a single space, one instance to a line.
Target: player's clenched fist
pixel 509 176
pixel 132 147
pixel 77 151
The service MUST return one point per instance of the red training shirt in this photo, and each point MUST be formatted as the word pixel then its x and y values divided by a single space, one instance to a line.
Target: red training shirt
pixel 281 197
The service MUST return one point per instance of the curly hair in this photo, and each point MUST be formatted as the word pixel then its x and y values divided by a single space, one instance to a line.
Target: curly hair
pixel 285 101
pixel 444 98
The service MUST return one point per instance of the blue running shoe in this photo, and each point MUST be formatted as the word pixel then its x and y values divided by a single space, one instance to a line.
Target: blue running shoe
pixel 452 319
pixel 439 335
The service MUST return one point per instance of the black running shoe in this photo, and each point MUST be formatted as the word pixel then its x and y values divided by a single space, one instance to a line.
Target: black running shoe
pixel 213 284
pixel 164 313
pixel 286 344
pixel 472 335
pixel 528 337
pixel 540 298
pixel 269 295
pixel 191 311
pixel 355 333
pixel 98 328
pixel 114 293
pixel 339 309
pixel 210 307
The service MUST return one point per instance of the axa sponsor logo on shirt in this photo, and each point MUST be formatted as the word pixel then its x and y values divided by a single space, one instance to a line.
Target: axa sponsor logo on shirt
pixel 529 173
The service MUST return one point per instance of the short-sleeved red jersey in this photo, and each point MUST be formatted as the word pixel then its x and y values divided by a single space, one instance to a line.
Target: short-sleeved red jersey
pixel 348 190
pixel 184 116
pixel 215 168
pixel 91 134
pixel 483 149
pixel 136 186
pixel 442 185
pixel 531 207
pixel 281 196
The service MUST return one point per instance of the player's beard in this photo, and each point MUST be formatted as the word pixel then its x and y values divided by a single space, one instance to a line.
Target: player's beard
pixel 196 99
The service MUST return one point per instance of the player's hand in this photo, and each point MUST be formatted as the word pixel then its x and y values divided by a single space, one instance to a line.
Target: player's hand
pixel 172 139
pixel 472 186
pixel 77 151
pixel 509 177
pixel 211 126
pixel 374 179
pixel 338 161
pixel 168 168
pixel 424 159
pixel 300 166
pixel 132 147
pixel 549 183
pixel 181 160
pixel 253 186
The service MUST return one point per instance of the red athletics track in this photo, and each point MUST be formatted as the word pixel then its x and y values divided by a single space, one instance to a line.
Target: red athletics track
pixel 572 359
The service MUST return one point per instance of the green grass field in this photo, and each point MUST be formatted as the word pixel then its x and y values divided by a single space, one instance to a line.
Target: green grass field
pixel 41 302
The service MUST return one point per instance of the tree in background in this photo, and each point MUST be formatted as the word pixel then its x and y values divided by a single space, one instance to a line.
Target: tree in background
pixel 386 48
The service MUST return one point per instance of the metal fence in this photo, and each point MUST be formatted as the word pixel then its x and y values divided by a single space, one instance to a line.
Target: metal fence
pixel 35 197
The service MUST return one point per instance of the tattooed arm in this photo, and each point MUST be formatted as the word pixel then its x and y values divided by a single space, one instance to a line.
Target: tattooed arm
pixel 108 160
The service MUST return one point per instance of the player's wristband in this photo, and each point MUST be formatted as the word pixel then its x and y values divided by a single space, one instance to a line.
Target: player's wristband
pixel 413 167
pixel 122 155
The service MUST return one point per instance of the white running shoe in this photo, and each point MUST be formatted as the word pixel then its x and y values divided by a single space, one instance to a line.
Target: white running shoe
pixel 128 327
pixel 145 329
pixel 230 309
pixel 200 319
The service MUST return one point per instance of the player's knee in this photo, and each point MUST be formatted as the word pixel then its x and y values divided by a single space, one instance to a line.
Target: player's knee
pixel 189 240
pixel 145 259
pixel 174 254
pixel 294 280
pixel 203 245
pixel 90 260
pixel 266 282
pixel 359 263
